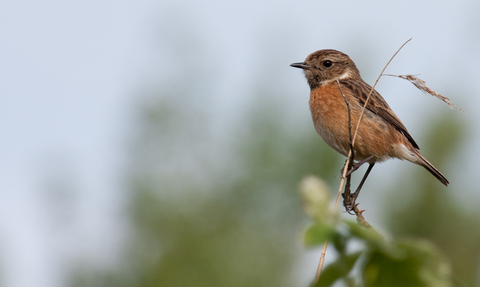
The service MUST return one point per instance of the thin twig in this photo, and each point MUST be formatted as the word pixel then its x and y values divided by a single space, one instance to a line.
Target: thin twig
pixel 349 120
pixel 322 256
pixel 361 219
pixel 371 91
pixel 359 213
pixel 350 159
pixel 321 261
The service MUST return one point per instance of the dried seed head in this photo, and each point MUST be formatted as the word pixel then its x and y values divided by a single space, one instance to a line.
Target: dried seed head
pixel 421 85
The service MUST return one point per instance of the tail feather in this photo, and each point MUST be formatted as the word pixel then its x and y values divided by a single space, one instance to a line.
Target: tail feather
pixel 428 166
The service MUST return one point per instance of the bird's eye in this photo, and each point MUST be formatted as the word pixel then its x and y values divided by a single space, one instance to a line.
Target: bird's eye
pixel 327 64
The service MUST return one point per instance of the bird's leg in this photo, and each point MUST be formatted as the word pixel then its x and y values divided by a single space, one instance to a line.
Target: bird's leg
pixel 349 200
pixel 355 166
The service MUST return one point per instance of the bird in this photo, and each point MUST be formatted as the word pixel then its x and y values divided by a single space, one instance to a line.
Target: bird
pixel 334 81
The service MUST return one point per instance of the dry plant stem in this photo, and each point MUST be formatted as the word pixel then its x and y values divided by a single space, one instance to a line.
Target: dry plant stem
pixel 348 197
pixel 373 87
pixel 324 250
pixel 359 164
pixel 321 261
pixel 358 212
pixel 346 193
pixel 361 220
pixel 350 161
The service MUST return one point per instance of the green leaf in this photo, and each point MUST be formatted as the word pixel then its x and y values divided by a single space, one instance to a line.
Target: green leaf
pixel 370 236
pixel 406 263
pixel 318 234
pixel 338 269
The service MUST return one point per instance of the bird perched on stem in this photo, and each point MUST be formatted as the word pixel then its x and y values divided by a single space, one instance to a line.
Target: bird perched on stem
pixel 381 135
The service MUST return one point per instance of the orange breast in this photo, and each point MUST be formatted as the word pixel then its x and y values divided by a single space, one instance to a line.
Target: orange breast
pixel 330 118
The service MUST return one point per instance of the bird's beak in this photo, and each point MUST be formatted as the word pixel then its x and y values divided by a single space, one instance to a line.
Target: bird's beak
pixel 301 65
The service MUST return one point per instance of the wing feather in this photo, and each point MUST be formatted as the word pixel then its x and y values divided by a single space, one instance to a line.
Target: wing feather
pixel 379 106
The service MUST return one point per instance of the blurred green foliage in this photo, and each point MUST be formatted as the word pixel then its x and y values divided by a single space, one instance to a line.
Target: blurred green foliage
pixel 209 210
pixel 235 226
pixel 200 223
pixel 377 262
pixel 231 217
pixel 421 209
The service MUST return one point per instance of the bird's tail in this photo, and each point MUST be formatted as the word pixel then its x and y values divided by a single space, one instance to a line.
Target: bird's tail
pixel 428 166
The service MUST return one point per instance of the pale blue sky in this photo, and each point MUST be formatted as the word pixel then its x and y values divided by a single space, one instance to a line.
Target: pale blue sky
pixel 70 71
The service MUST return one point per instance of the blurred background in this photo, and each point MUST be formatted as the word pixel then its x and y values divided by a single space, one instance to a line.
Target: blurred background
pixel 160 143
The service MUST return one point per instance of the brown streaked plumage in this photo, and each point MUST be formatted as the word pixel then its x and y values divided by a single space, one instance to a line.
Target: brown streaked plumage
pixel 381 133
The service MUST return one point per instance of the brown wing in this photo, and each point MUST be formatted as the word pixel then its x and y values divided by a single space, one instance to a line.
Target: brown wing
pixel 379 106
